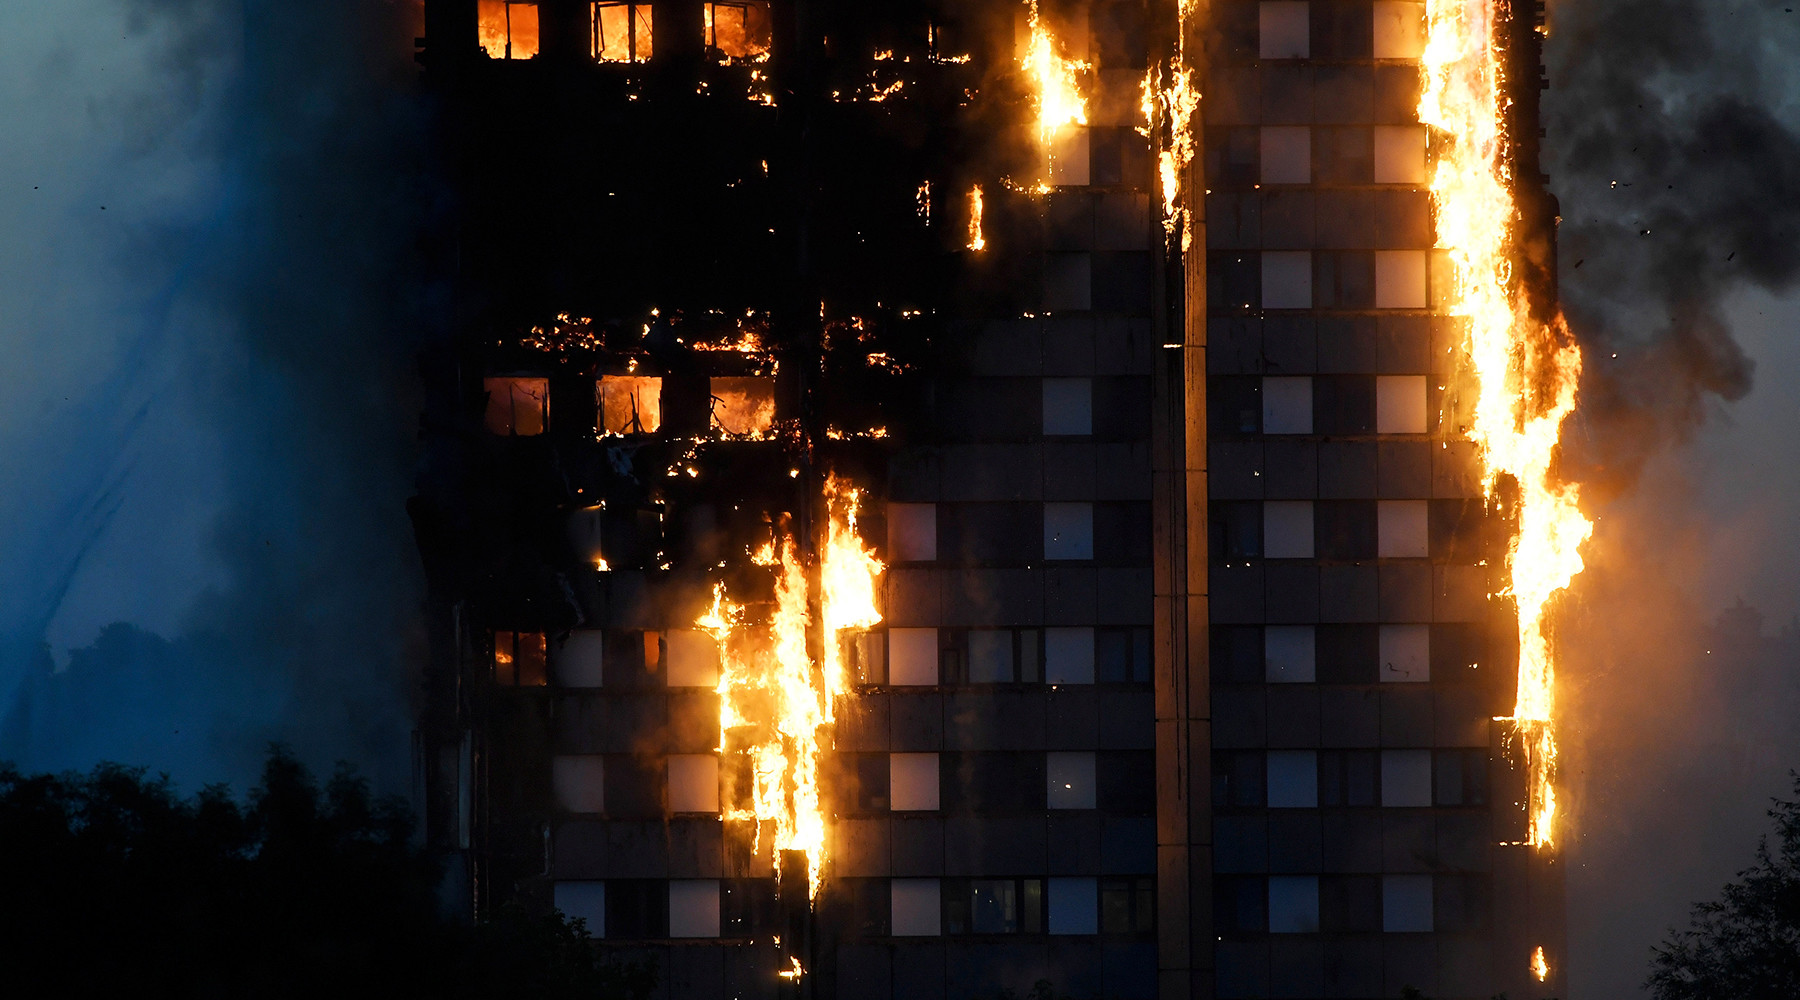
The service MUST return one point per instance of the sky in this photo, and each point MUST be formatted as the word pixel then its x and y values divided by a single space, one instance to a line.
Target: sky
pixel 206 293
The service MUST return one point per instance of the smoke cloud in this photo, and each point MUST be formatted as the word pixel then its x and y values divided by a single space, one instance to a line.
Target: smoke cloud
pixel 210 302
pixel 1673 148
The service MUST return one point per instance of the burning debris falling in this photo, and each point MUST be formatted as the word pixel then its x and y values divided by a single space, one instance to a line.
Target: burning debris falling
pixel 1540 966
pixel 775 700
pixel 1525 370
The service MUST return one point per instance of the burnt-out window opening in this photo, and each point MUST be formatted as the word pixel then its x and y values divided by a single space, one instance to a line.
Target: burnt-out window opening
pixel 991 782
pixel 1349 778
pixel 993 906
pixel 866 777
pixel 743 406
pixel 517 406
pixel 1127 905
pixel 1460 777
pixel 1347 654
pixel 870 905
pixel 629 404
pixel 509 29
pixel 746 906
pixel 1237 654
pixel 1350 904
pixel 991 656
pixel 739 30
pixel 637 908
pixel 1240 904
pixel 1239 779
pixel 519 659
pixel 620 32
pixel 1122 655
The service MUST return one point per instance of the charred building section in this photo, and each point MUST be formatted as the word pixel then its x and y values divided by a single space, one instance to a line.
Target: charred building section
pixel 1180 672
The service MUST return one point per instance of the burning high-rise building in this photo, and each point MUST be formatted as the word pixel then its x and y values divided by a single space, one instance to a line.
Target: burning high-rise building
pixel 927 497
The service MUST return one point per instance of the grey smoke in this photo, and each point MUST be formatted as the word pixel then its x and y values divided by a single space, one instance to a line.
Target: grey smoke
pixel 1673 148
pixel 210 212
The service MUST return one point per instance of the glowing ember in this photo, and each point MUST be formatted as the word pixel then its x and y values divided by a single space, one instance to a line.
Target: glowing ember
pixel 1540 966
pixel 1525 371
pixel 977 242
pixel 774 699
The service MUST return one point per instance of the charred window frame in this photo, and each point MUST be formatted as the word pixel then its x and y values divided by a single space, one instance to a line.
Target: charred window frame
pixel 520 659
pixel 620 32
pixel 864 655
pixel 629 404
pixel 1128 906
pixel 985 906
pixel 508 28
pixel 637 909
pixel 516 405
pixel 1459 777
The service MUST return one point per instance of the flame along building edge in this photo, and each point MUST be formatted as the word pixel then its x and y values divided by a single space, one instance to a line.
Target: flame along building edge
pixel 1167 665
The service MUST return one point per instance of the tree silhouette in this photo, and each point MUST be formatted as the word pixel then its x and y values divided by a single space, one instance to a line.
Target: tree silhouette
pixel 111 881
pixel 1745 945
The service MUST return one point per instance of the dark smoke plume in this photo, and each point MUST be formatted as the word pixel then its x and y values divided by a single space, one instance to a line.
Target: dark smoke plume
pixel 228 441
pixel 1679 185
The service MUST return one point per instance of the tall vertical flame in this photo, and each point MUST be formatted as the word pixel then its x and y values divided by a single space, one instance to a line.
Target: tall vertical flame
pixel 1540 966
pixel 977 241
pixel 775 701
pixel 1525 371
pixel 1058 79
pixel 1178 100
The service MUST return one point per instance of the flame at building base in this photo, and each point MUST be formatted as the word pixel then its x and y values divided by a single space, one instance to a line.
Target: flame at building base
pixel 1525 370
pixel 775 700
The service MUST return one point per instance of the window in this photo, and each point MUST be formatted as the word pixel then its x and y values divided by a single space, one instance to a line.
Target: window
pixel 1286 31
pixel 637 908
pixel 870 906
pixel 912 532
pixel 693 783
pixel 1402 529
pixel 517 406
pixel 1287 406
pixel 743 406
pixel 1068 282
pixel 578 658
pixel 1069 156
pixel 993 906
pixel 739 30
pixel 1400 404
pixel 1239 779
pixel 1406 904
pixel 1399 154
pixel 1349 778
pixel 519 659
pixel 1406 778
pixel 1287 279
pixel 916 909
pixel 1288 529
pixel 1399 30
pixel 1074 906
pixel 1068 407
pixel 1399 279
pixel 579 783
pixel 693 658
pixel 913 657
pixel 1293 904
pixel 865 655
pixel 1068 531
pixel 621 32
pixel 1127 905
pixel 1288 654
pixel 1348 654
pixel 1069 780
pixel 1240 904
pixel 630 404
pixel 1350 904
pixel 1460 777
pixel 1068 656
pixel 990 656
pixel 1293 779
pixel 1286 154
pixel 509 30
pixel 913 782
pixel 1123 655
pixel 1405 654
pixel 694 908
pixel 585 901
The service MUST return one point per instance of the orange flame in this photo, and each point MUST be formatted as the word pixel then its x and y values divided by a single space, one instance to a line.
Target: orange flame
pixel 774 696
pixel 977 241
pixel 1525 371
pixel 1540 966
pixel 1059 97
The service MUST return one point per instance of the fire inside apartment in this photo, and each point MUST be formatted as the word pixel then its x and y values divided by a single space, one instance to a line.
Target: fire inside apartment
pixel 927 497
